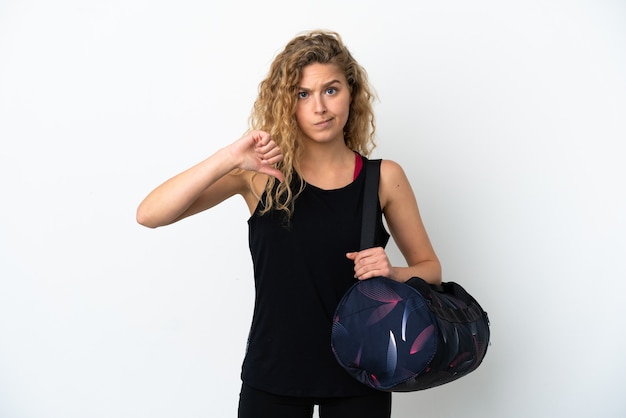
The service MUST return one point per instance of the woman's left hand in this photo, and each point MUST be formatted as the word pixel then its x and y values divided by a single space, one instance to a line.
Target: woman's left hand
pixel 372 262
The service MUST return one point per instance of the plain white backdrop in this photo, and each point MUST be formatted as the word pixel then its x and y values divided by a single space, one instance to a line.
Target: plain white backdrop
pixel 508 117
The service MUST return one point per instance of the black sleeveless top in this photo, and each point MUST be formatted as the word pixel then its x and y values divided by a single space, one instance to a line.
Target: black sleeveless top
pixel 301 272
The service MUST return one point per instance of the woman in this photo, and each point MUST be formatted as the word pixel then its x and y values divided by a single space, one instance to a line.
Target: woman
pixel 299 171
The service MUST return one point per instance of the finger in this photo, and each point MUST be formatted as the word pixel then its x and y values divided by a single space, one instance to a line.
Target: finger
pixel 371 263
pixel 273 160
pixel 265 144
pixel 365 257
pixel 367 274
pixel 274 154
pixel 260 137
pixel 361 261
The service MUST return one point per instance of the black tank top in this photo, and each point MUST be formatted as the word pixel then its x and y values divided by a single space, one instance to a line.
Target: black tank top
pixel 301 272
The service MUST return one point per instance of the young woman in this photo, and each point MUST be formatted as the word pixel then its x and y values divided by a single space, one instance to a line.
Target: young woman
pixel 300 172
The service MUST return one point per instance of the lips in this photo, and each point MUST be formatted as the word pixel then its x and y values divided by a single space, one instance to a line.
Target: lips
pixel 324 122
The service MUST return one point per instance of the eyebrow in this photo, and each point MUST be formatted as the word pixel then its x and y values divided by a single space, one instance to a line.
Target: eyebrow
pixel 325 85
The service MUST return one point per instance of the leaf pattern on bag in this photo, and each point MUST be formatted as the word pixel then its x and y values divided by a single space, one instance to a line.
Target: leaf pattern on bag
pixel 381 312
pixel 421 339
pixel 392 354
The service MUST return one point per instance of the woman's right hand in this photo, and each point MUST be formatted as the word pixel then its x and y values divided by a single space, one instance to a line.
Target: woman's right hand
pixel 207 183
pixel 257 151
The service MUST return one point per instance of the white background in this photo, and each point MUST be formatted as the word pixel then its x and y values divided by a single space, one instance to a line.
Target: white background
pixel 508 117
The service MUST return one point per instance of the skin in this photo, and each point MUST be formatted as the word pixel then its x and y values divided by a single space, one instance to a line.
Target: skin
pixel 321 114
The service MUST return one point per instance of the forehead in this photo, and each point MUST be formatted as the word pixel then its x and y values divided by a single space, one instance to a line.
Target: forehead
pixel 316 73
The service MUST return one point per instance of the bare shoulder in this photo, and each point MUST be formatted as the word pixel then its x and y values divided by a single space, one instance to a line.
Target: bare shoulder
pixel 391 170
pixel 393 182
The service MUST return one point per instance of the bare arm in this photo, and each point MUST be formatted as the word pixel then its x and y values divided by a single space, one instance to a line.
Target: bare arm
pixel 406 227
pixel 209 182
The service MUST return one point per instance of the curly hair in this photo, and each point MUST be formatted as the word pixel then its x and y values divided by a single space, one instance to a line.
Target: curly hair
pixel 275 107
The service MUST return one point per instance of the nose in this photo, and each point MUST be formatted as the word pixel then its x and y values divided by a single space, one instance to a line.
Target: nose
pixel 320 107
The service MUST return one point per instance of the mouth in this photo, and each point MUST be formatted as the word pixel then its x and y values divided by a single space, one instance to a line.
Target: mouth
pixel 324 122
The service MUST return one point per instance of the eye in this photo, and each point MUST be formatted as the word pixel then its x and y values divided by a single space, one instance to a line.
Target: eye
pixel 303 95
pixel 331 90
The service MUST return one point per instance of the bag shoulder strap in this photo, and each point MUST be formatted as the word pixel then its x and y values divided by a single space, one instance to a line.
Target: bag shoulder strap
pixel 370 202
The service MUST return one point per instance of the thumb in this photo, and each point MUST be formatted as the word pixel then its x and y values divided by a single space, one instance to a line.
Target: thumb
pixel 273 172
pixel 351 256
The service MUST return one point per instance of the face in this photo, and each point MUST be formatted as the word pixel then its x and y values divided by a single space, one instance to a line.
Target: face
pixel 323 103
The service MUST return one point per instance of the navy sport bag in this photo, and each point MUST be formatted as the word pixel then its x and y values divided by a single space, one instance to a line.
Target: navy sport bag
pixel 409 336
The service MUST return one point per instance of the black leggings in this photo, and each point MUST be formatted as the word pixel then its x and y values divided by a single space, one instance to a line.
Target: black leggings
pixel 255 403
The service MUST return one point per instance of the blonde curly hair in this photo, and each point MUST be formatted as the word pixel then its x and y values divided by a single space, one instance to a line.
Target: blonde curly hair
pixel 275 106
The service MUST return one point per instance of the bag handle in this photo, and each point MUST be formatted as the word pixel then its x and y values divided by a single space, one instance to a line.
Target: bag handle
pixel 370 202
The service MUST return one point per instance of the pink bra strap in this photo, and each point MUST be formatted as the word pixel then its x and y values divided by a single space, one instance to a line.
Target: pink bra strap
pixel 358 165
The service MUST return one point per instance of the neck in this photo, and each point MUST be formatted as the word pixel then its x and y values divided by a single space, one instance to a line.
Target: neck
pixel 325 155
pixel 323 150
pixel 327 167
